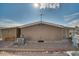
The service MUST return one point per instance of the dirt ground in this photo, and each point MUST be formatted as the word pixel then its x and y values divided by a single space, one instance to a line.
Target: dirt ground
pixel 60 45
pixel 2 53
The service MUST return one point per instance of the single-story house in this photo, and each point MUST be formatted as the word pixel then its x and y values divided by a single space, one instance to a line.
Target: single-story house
pixel 36 31
pixel 41 35
pixel 44 31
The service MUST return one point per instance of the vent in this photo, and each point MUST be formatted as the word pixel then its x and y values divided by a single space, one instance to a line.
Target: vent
pixel 41 41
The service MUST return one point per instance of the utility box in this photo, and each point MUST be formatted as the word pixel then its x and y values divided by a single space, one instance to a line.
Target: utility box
pixel 75 37
pixel 20 41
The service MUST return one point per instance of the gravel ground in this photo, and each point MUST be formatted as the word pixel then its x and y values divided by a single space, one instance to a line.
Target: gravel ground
pixel 64 44
pixel 46 53
pixel 2 53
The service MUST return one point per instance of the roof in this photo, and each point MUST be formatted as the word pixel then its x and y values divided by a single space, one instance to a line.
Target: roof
pixel 39 22
pixel 8 28
pixel 70 27
pixel 1 27
pixel 42 22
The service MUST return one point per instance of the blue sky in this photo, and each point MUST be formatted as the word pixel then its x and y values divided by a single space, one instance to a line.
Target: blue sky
pixel 19 14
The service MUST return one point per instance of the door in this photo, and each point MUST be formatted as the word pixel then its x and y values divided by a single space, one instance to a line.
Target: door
pixel 18 32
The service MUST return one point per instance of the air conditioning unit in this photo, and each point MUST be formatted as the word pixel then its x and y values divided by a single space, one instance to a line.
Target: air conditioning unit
pixel 20 41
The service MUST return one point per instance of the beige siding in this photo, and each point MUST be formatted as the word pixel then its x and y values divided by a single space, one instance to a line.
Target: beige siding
pixel 0 34
pixel 67 33
pixel 43 32
pixel 9 34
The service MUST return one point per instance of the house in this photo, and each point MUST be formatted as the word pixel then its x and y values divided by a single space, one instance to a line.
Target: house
pixel 9 33
pixel 43 31
pixel 40 35
pixel 36 31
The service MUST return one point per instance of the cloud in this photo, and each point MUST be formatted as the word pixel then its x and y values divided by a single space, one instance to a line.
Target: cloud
pixel 74 23
pixel 8 23
pixel 71 17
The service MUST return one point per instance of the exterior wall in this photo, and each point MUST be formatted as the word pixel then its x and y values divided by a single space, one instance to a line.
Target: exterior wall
pixel 43 32
pixel 9 34
pixel 66 33
pixel 0 34
pixel 69 32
